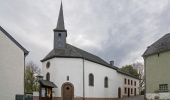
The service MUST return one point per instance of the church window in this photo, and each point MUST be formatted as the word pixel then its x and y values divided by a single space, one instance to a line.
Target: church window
pixel 106 82
pixel 128 81
pixel 67 78
pixel 48 65
pixel 91 79
pixel 125 81
pixel 48 76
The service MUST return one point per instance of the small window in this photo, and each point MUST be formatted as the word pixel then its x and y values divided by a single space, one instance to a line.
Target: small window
pixel 48 76
pixel 131 90
pixel 91 79
pixel 125 90
pixel 106 82
pixel 125 81
pixel 67 78
pixel 131 82
pixel 48 65
pixel 163 87
pixel 59 34
pixel 128 82
pixel 135 83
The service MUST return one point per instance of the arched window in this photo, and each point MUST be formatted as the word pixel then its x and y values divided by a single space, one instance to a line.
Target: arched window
pixel 48 65
pixel 106 82
pixel 91 79
pixel 48 76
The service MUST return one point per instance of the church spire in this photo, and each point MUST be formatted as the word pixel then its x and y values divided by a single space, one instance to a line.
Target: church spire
pixel 60 33
pixel 60 23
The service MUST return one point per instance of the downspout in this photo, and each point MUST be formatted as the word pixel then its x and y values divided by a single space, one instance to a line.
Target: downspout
pixel 25 54
pixel 83 81
pixel 144 77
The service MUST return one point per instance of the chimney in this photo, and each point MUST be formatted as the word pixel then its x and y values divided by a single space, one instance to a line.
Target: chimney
pixel 112 63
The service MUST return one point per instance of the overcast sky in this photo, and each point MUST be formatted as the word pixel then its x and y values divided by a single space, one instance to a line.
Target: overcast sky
pixel 118 30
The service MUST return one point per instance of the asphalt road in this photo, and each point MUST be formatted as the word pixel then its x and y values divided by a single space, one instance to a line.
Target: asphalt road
pixel 141 97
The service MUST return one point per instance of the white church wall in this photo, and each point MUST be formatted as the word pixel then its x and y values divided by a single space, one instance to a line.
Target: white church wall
pixel 60 68
pixel 11 69
pixel 100 72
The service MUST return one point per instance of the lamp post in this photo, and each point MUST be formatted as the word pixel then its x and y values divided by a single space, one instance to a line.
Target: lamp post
pixel 39 78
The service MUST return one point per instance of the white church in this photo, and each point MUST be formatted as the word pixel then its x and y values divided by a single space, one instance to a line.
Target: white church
pixel 81 75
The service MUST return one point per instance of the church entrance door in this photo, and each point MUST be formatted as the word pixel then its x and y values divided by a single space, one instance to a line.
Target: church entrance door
pixel 68 91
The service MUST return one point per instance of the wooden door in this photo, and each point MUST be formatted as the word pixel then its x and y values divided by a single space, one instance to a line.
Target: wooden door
pixel 119 92
pixel 68 91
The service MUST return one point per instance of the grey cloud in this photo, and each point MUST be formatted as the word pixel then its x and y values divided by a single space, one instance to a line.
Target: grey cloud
pixel 112 29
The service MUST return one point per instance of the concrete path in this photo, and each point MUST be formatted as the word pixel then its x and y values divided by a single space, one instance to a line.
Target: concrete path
pixel 141 97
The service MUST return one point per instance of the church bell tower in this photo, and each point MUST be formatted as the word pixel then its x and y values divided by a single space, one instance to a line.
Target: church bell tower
pixel 60 33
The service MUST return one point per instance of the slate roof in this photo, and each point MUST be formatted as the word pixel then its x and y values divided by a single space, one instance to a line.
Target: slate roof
pixel 74 52
pixel 161 45
pixel 47 83
pixel 60 24
pixel 13 40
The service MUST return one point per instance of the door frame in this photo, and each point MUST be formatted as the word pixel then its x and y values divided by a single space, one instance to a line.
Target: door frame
pixel 119 93
pixel 62 91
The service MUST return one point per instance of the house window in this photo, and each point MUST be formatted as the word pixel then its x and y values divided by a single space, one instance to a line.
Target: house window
pixel 91 79
pixel 125 90
pixel 131 90
pixel 48 76
pixel 135 91
pixel 128 81
pixel 125 81
pixel 106 82
pixel 48 65
pixel 135 83
pixel 163 87
pixel 131 82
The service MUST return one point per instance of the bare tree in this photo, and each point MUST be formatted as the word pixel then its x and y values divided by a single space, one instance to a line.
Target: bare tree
pixel 140 68
pixel 31 71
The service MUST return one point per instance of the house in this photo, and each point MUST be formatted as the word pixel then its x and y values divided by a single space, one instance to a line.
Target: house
pixel 157 69
pixel 81 75
pixel 12 62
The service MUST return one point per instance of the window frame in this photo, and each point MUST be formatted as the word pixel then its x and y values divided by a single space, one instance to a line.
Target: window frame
pixel 163 87
pixel 106 83
pixel 91 79
pixel 48 76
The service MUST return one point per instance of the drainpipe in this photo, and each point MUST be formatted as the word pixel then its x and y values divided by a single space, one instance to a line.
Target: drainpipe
pixel 83 81
pixel 144 77
pixel 25 54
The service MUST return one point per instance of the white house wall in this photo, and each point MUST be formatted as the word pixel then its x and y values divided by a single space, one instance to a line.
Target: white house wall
pixel 11 69
pixel 122 78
